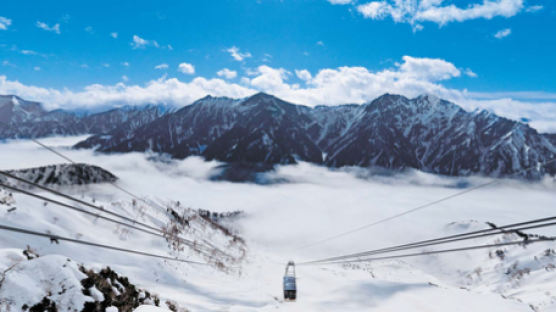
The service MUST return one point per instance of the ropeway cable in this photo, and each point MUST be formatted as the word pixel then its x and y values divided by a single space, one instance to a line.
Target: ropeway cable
pixel 366 226
pixel 192 244
pixel 82 242
pixel 73 162
pixel 425 253
pixel 114 184
pixel 511 228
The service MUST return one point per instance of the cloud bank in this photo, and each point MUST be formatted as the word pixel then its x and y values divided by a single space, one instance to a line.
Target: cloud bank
pixel 410 77
pixel 435 11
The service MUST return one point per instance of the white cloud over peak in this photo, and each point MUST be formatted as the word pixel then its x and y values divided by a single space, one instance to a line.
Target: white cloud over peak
pixel 410 77
pixel 54 28
pixel 5 23
pixel 417 11
pixel 502 33
pixel 170 91
pixel 186 68
pixel 227 73
pixel 428 69
pixel 237 55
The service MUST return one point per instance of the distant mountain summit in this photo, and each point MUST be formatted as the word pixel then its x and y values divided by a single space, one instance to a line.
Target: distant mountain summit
pixel 392 131
pixel 25 119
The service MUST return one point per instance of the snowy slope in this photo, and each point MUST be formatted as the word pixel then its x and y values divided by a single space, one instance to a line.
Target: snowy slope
pixel 310 204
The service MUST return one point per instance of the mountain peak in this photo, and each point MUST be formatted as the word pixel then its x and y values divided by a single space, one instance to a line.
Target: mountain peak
pixel 262 95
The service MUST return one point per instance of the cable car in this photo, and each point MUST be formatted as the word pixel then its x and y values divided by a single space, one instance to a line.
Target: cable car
pixel 290 288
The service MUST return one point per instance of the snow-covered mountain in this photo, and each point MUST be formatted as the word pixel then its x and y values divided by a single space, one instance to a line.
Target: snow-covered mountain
pixel 24 119
pixel 438 136
pixel 392 131
pixel 64 174
pixel 275 220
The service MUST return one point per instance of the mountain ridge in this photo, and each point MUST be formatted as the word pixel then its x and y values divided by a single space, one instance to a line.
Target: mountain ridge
pixel 392 131
pixel 27 119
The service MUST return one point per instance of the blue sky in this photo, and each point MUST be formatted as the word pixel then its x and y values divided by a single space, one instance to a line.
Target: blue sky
pixel 67 46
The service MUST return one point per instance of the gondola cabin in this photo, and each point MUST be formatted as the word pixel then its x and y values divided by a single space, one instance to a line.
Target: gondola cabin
pixel 290 287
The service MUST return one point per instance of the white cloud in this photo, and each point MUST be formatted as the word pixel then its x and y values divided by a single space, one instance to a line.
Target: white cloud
pixel 428 69
pixel 303 74
pixel 54 28
pixel 7 63
pixel 340 1
pixel 28 52
pixel 186 68
pixel 329 86
pixel 226 73
pixel 237 55
pixel 171 91
pixel 126 64
pixel 416 11
pixel 5 23
pixel 161 66
pixel 502 33
pixel 106 65
pixel 270 79
pixel 534 8
pixel 89 29
pixel 468 72
pixel 141 43
pixel 320 43
pixel 114 35
pixel 125 78
pixel 36 68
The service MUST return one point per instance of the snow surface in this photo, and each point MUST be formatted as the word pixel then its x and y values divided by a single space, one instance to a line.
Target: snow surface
pixel 312 204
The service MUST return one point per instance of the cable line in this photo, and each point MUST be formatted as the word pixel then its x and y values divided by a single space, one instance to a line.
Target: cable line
pixel 82 242
pixel 7 174
pixel 73 162
pixel 511 228
pixel 44 188
pixel 425 253
pixel 203 249
pixel 366 226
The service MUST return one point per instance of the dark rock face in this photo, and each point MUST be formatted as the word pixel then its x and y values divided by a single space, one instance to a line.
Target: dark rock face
pixel 261 128
pixel 116 290
pixel 65 174
pixel 551 137
pixel 25 119
pixel 437 136
pixel 392 131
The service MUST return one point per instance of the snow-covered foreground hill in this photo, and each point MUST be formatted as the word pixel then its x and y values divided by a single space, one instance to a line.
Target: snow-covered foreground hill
pixel 309 204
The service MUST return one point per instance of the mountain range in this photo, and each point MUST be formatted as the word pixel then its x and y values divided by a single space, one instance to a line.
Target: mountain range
pixel 392 131
pixel 26 119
